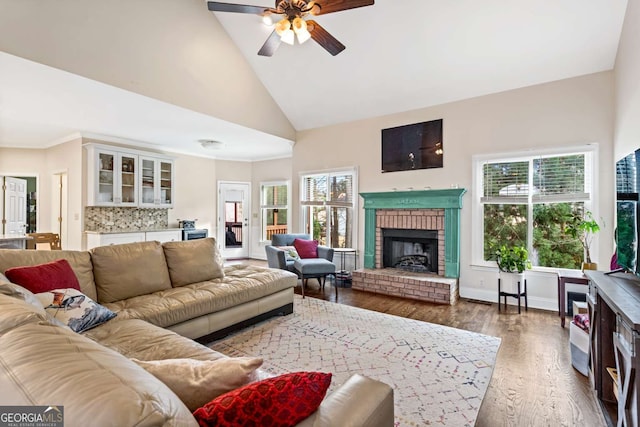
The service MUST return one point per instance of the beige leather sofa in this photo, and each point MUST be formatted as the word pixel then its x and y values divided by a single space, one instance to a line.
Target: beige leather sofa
pixel 171 285
pixel 45 363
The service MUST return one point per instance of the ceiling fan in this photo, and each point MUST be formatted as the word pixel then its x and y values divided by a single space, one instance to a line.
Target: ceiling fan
pixel 293 23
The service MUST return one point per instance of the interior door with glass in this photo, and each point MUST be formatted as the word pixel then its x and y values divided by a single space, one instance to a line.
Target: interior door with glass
pixel 233 219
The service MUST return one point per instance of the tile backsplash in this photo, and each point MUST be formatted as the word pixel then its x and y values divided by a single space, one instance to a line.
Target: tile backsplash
pixel 109 219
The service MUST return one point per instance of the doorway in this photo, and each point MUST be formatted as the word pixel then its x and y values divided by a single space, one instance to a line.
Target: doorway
pixel 233 218
pixel 18 204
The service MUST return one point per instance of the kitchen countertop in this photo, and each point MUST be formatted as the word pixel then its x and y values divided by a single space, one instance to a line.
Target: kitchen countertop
pixel 14 237
pixel 134 230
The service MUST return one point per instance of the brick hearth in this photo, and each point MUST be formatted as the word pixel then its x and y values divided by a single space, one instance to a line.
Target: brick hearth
pixel 420 286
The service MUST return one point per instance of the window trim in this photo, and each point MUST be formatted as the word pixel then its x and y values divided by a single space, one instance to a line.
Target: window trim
pixel 356 198
pixel 477 215
pixel 263 206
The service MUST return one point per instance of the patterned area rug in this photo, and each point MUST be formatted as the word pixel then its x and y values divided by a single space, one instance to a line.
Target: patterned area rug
pixel 439 374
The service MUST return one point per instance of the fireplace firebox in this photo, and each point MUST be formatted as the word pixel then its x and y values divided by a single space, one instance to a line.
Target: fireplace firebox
pixel 410 250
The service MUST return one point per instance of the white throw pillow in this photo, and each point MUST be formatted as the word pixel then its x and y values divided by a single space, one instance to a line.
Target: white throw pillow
pixel 74 309
pixel 197 382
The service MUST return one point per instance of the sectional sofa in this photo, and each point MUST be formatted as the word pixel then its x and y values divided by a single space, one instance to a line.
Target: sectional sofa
pixel 163 295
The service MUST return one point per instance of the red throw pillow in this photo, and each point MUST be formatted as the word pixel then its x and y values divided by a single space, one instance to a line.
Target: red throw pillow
pixel 278 402
pixel 306 248
pixel 44 277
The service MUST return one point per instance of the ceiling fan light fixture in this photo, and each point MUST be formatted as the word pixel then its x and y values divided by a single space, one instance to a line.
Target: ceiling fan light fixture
pixel 300 28
pixel 282 26
pixel 287 37
pixel 267 20
pixel 211 144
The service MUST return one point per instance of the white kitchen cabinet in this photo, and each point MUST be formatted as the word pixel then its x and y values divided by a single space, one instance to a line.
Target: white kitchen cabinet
pixel 105 239
pixel 156 182
pixel 164 236
pixel 112 177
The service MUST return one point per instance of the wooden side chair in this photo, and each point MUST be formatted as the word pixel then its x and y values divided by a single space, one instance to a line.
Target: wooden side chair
pixel 44 241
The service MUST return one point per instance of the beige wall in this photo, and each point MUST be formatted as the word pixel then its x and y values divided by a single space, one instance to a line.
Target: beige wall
pixel 627 70
pixel 173 51
pixel 563 113
pixel 64 158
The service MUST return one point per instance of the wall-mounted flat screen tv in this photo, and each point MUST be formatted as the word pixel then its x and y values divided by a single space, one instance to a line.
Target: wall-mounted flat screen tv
pixel 409 147
pixel 628 227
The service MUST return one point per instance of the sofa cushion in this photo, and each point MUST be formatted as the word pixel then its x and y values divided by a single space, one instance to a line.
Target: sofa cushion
pixel 279 401
pixel 74 309
pixel 128 270
pixel 17 291
pixel 80 262
pixel 242 283
pixel 45 277
pixel 193 261
pixel 196 382
pixel 15 312
pixel 44 365
pixel 306 248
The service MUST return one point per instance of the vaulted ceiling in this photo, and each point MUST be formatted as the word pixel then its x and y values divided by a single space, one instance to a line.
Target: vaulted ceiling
pixel 400 55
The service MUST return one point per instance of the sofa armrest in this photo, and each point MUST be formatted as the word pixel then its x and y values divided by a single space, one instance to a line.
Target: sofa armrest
pixel 359 402
pixel 275 257
pixel 325 252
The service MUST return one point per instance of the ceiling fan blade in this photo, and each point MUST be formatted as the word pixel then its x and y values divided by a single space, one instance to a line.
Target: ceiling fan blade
pixel 324 39
pixel 330 6
pixel 215 6
pixel 271 45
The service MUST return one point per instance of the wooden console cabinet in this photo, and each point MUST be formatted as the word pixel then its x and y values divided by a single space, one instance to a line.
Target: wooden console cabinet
pixel 614 312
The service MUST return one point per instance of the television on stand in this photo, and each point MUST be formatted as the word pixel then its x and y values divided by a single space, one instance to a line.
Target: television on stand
pixel 627 198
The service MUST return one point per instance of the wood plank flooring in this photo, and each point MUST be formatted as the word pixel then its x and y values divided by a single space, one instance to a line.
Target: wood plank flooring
pixel 533 383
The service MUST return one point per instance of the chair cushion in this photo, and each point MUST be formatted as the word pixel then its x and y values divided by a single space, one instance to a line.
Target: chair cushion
pixel 306 248
pixel 313 266
pixel 290 253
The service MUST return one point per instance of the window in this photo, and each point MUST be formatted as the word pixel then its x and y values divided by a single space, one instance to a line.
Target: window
pixel 274 204
pixel 530 200
pixel 328 207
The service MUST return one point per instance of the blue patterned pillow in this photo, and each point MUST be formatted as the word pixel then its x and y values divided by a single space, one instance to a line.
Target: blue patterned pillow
pixel 74 309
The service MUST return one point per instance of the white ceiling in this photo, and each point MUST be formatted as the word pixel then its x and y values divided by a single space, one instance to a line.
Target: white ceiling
pixel 400 55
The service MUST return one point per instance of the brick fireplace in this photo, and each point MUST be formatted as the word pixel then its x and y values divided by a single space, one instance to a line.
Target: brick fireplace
pixel 422 229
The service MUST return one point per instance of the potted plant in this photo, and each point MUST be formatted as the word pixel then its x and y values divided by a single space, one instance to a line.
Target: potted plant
pixel 583 229
pixel 512 263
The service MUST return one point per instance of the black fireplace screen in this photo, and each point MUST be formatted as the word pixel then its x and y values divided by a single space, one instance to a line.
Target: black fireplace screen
pixel 411 250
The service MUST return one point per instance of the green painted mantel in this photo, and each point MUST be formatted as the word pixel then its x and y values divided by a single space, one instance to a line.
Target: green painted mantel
pixel 449 199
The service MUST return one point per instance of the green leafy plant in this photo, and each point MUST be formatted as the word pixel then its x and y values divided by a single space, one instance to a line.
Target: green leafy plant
pixel 583 229
pixel 512 260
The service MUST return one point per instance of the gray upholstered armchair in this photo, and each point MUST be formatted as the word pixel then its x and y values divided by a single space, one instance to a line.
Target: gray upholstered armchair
pixel 305 268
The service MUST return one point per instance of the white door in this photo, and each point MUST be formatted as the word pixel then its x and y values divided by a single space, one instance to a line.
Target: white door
pixel 233 219
pixel 15 205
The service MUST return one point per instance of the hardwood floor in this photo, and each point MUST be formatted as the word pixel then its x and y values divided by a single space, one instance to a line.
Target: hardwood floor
pixel 533 383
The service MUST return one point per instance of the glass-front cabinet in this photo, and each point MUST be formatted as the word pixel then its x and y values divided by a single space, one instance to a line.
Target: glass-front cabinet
pixel 156 182
pixel 123 177
pixel 112 178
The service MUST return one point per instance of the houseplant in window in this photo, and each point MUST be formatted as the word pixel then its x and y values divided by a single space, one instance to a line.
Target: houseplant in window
pixel 512 263
pixel 584 228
